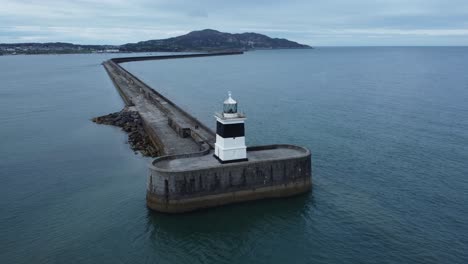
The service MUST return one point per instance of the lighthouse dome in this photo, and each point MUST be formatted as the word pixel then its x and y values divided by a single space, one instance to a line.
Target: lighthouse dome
pixel 230 105
pixel 230 100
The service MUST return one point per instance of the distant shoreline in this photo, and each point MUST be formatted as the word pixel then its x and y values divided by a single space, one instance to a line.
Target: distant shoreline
pixel 207 40
pixel 133 52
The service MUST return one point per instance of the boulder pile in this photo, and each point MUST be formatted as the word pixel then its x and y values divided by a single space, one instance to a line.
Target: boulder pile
pixel 130 122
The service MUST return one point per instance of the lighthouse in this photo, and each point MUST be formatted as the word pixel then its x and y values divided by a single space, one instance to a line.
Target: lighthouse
pixel 230 133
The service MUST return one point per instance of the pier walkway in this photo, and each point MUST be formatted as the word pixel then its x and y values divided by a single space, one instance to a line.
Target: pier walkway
pixel 171 129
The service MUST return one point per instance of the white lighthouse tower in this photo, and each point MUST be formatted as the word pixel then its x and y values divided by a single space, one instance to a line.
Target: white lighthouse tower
pixel 230 133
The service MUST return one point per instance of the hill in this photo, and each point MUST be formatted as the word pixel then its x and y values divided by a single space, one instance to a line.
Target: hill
pixel 210 40
pixel 202 40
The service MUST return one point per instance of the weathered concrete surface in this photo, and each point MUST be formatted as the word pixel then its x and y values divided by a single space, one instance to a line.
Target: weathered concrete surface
pixel 172 129
pixel 207 161
pixel 189 177
pixel 186 183
pixel 155 116
pixel 181 56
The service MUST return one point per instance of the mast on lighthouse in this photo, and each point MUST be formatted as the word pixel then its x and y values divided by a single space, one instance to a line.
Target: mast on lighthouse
pixel 230 133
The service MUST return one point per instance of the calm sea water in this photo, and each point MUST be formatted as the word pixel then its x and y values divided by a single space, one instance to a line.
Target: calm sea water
pixel 388 129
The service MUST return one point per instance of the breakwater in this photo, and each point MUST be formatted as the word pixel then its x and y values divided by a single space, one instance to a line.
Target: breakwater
pixel 187 177
pixel 187 182
pixel 168 57
pixel 171 129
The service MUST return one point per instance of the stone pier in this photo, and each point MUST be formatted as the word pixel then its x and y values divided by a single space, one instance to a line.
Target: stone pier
pixel 187 177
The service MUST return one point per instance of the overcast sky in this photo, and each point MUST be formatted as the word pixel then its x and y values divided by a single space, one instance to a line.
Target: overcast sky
pixel 317 23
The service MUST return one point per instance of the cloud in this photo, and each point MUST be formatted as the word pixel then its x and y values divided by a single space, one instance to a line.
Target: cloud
pixel 90 35
pixel 333 22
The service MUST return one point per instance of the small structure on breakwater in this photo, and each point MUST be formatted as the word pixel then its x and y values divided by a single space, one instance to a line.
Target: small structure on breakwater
pixel 230 134
pixel 201 168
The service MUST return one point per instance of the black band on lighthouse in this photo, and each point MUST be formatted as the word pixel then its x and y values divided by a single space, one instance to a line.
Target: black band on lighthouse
pixel 230 130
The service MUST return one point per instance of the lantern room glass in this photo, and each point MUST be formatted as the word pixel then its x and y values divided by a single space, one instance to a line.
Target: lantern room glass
pixel 230 108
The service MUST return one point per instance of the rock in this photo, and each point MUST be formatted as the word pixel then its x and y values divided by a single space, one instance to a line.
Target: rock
pixel 130 122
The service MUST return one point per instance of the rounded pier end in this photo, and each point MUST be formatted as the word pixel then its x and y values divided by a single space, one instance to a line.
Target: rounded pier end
pixel 189 182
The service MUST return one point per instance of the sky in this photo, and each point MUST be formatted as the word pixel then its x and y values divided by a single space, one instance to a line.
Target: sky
pixel 316 23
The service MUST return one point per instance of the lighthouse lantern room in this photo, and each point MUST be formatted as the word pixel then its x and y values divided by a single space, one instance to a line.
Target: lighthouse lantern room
pixel 230 133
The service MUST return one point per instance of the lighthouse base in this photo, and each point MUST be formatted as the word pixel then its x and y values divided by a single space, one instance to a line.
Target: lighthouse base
pixel 229 161
pixel 190 182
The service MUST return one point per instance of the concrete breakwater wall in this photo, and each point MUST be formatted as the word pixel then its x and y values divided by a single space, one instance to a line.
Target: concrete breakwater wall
pixel 185 186
pixel 136 93
pixel 181 56
pixel 188 177
pixel 180 120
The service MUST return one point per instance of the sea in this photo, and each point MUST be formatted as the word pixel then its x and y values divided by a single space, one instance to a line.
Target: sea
pixel 387 128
